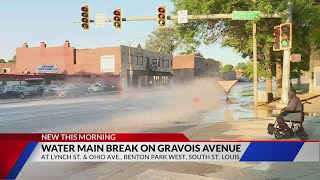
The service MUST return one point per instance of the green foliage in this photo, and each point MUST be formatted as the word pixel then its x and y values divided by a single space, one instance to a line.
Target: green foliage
pixel 227 68
pixel 162 39
pixel 238 34
pixel 262 69
pixel 248 71
pixel 2 61
pixel 13 60
pixel 241 65
pixel 168 40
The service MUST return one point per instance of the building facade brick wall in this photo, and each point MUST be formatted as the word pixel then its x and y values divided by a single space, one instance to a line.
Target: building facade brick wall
pixel 88 61
pixel 30 58
pixel 7 68
pixel 188 67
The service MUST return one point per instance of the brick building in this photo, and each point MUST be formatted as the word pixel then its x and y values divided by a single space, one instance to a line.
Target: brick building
pixel 188 67
pixel 7 68
pixel 108 63
pixel 29 59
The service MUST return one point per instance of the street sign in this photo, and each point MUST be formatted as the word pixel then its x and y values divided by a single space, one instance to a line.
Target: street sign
pixel 48 69
pixel 295 58
pixel 100 20
pixel 245 15
pixel 183 16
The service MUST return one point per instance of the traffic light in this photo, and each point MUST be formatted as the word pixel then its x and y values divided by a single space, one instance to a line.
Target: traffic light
pixel 276 38
pixel 162 17
pixel 85 17
pixel 286 36
pixel 117 19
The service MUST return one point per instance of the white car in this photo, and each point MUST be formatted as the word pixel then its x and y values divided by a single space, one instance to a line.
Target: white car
pixel 95 88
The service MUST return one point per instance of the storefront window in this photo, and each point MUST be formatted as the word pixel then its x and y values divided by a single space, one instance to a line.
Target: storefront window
pixel 141 60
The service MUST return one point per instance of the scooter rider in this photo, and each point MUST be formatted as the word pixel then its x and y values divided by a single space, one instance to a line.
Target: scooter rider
pixel 294 106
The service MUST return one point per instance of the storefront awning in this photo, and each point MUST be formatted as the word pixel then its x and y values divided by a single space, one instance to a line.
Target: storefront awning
pixel 33 79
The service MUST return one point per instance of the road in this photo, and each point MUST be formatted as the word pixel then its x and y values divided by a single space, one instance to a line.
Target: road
pixel 58 115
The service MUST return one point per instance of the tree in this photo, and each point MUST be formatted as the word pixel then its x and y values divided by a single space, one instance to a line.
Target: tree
pixel 227 68
pixel 241 65
pixel 238 34
pixel 248 71
pixel 198 53
pixel 164 39
pixel 13 60
pixel 2 61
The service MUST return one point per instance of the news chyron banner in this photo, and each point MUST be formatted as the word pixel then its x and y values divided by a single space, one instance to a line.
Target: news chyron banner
pixel 17 149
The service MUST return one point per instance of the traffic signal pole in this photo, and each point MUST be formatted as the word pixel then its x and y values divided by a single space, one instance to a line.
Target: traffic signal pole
pixel 286 66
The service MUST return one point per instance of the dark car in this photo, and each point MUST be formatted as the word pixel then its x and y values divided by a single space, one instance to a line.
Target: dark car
pixel 33 90
pixel 17 91
pixel 51 90
pixel 2 92
pixel 40 89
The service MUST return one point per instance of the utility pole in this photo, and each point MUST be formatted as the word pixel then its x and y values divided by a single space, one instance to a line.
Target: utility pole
pixel 108 9
pixel 130 65
pixel 286 65
pixel 255 62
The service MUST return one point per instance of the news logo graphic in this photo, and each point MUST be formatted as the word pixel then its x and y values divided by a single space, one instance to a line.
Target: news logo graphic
pixel 17 149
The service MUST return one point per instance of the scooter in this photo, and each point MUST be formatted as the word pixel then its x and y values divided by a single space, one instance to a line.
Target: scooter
pixel 295 129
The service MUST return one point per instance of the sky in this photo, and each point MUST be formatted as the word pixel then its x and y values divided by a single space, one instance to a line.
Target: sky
pixel 33 21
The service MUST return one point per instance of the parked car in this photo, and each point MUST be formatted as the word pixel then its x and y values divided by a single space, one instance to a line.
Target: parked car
pixel 106 86
pixel 40 89
pixel 33 90
pixel 51 90
pixel 17 91
pixel 74 90
pixel 95 88
pixel 3 92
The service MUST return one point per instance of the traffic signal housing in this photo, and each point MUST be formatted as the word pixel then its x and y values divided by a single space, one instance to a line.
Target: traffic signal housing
pixel 276 38
pixel 85 17
pixel 117 18
pixel 286 36
pixel 162 16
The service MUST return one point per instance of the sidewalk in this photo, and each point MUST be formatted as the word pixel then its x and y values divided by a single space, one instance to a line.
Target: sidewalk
pixel 314 107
